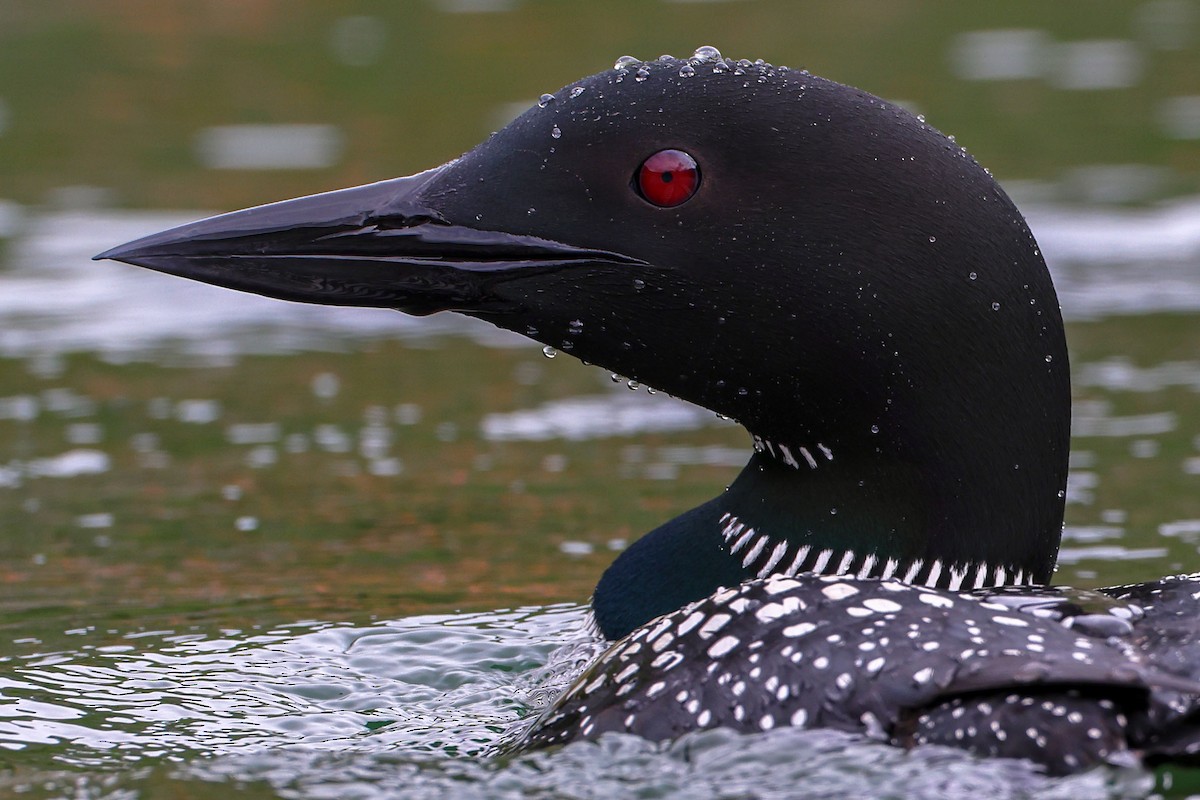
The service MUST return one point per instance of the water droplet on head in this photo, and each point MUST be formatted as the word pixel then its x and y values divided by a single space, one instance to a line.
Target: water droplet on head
pixel 1061 493
pixel 666 57
pixel 973 275
pixel 995 306
pixel 920 117
pixel 874 429
pixel 633 385
pixel 626 61
pixel 545 100
pixel 707 53
pixel 639 284
pixel 555 133
pixel 833 511
pixel 578 90
pixel 687 71
pixel 1049 358
pixel 932 239
pixel 642 74
pixel 549 352
pixel 616 378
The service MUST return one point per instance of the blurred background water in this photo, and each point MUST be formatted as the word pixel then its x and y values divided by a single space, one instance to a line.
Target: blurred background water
pixel 280 550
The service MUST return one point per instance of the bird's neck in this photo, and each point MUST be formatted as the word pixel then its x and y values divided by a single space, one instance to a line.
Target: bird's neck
pixel 843 507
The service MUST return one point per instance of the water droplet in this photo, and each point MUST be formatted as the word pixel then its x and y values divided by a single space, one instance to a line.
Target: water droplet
pixel 951 138
pixel 932 239
pixel 721 66
pixel 1049 358
pixel 633 385
pixel 1062 493
pixel 995 306
pixel 874 429
pixel 555 133
pixel 639 284
pixel 616 378
pixel 650 390
pixel 626 61
pixel 920 117
pixel 833 511
pixel 642 74
pixel 707 53
pixel 687 71
pixel 578 90
pixel 974 275
pixel 666 57
pixel 549 352
pixel 575 327
pixel 545 100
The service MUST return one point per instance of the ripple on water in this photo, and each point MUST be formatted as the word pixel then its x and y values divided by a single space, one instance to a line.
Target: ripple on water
pixel 431 684
pixel 415 708
pixel 784 763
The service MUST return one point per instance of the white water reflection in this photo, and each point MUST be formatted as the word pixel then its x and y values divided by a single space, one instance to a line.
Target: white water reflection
pixel 425 684
pixel 616 414
pixel 54 299
pixel 295 146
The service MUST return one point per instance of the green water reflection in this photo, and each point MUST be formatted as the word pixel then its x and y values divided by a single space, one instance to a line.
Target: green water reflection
pixel 344 485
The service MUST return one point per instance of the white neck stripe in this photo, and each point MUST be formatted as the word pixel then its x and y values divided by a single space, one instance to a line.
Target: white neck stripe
pixel 787 454
pixel 764 555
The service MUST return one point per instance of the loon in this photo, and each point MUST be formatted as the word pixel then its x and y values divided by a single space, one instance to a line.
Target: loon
pixel 853 288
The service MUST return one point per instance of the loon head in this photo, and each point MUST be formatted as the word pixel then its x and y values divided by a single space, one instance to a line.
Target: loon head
pixel 799 255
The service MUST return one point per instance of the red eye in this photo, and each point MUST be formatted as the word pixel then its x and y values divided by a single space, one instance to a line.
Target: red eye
pixel 668 178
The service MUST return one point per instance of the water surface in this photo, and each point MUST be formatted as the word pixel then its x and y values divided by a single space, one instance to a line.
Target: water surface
pixel 265 547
